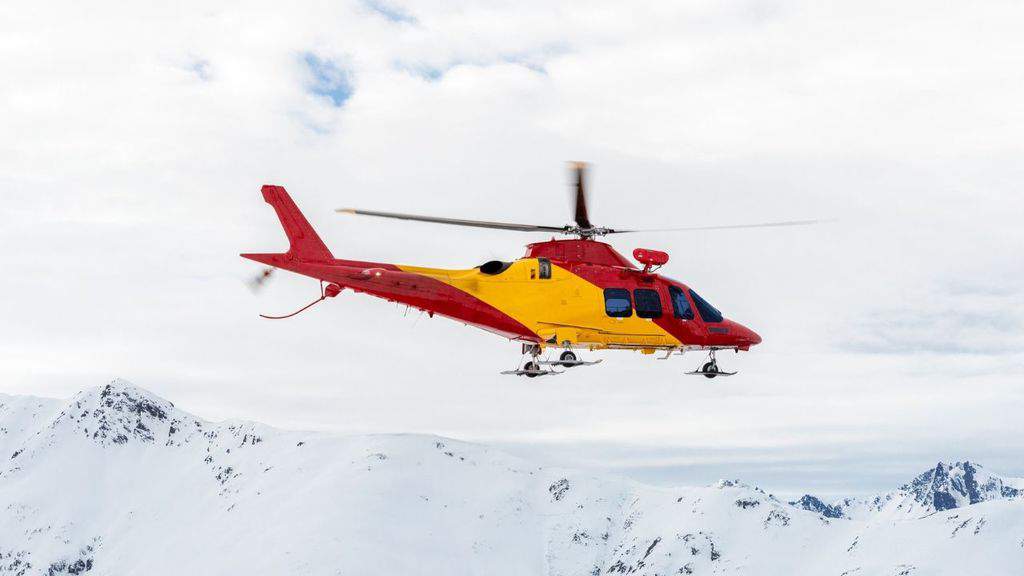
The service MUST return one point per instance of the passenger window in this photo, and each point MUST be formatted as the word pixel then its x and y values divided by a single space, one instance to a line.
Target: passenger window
pixel 545 268
pixel 680 304
pixel 648 303
pixel 617 303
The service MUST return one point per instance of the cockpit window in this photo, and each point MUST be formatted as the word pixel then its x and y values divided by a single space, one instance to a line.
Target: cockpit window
pixel 708 313
pixel 617 303
pixel 680 304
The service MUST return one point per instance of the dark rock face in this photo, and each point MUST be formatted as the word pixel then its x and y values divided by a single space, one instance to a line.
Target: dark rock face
pixel 558 489
pixel 122 399
pixel 19 563
pixel 814 504
pixel 949 486
pixel 943 501
pixel 745 503
pixel 776 518
pixel 122 412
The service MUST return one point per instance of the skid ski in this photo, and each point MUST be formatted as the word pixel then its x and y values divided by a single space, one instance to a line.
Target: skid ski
pixel 530 373
pixel 700 373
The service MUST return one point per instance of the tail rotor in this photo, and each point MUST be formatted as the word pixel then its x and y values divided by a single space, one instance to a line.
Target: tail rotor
pixel 258 282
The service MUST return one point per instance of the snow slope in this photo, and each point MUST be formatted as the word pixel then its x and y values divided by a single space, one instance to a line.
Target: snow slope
pixel 119 481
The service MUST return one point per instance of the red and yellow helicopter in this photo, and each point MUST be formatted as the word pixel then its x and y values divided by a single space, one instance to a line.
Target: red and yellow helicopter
pixel 574 294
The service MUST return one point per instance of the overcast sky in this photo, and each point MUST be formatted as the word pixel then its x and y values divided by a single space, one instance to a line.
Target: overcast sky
pixel 134 138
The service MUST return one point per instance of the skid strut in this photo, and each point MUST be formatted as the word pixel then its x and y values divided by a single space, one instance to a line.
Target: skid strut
pixel 536 367
pixel 710 368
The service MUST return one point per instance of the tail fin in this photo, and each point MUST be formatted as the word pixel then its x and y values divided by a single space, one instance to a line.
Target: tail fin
pixel 305 243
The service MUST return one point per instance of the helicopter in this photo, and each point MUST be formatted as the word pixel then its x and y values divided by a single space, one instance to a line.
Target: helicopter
pixel 570 294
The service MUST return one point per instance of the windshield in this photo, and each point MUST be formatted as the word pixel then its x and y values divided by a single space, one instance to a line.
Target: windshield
pixel 708 313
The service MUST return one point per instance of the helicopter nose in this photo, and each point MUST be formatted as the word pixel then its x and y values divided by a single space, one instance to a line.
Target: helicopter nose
pixel 745 336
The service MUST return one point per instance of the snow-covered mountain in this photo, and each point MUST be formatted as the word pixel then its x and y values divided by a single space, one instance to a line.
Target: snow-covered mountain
pixel 945 487
pixel 118 481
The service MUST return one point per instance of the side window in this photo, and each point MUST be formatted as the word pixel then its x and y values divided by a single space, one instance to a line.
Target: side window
pixel 617 303
pixel 680 304
pixel 648 303
pixel 545 268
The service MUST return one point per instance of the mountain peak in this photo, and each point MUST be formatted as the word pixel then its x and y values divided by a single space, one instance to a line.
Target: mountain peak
pixel 122 394
pixel 965 466
pixel 948 486
pixel 121 411
pixel 945 486
pixel 814 504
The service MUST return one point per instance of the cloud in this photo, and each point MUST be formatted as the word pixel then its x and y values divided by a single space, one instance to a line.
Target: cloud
pixel 955 321
pixel 842 470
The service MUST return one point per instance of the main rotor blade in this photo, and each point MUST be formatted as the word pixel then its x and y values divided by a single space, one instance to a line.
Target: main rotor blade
pixel 455 221
pixel 726 227
pixel 580 199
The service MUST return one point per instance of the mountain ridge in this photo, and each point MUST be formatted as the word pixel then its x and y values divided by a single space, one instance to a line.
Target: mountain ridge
pixel 119 480
pixel 946 486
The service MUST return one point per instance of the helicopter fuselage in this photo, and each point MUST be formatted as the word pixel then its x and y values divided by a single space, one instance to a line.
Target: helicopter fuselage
pixel 577 293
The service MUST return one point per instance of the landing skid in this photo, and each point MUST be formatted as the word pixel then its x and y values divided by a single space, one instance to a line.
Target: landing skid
pixel 530 373
pixel 537 367
pixel 710 374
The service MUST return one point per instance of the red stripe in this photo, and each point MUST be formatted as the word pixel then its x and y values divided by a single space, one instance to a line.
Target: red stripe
pixel 421 292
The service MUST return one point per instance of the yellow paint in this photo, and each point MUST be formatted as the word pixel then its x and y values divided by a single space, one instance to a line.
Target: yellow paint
pixel 566 306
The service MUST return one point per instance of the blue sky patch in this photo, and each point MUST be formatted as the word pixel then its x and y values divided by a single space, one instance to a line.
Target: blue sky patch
pixel 425 71
pixel 535 61
pixel 198 67
pixel 390 11
pixel 329 80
